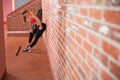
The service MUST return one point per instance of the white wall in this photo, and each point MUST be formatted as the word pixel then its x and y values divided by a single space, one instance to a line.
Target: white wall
pixel 7 8
pixel 2 43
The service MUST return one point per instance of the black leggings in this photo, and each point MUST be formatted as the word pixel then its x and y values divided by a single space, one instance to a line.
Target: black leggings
pixel 38 33
pixel 31 35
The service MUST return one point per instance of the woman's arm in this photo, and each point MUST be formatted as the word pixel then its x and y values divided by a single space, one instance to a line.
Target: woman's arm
pixel 30 26
pixel 38 21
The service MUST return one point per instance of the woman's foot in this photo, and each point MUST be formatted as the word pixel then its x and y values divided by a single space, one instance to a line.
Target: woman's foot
pixel 27 49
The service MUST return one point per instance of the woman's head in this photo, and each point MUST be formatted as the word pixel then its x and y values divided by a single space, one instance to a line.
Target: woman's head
pixel 24 12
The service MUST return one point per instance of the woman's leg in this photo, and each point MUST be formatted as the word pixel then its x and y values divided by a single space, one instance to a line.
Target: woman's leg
pixel 31 35
pixel 37 36
pixel 27 49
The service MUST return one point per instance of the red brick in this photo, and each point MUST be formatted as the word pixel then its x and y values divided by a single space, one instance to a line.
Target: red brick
pixel 94 39
pixel 72 17
pixel 79 40
pixel 93 64
pixel 112 2
pixel 82 53
pixel 101 57
pixel 87 23
pixel 76 76
pixel 79 20
pixel 86 68
pixel 115 34
pixel 87 78
pixel 111 50
pixel 115 69
pixel 71 49
pixel 81 72
pixel 79 2
pixel 105 76
pixel 95 13
pixel 98 26
pixel 68 23
pixel 74 44
pixel 59 13
pixel 70 1
pixel 87 46
pixel 112 16
pixel 61 1
pixel 98 2
pixel 72 34
pixel 94 76
pixel 83 11
pixel 64 8
pixel 89 2
pixel 82 32
pixel 74 61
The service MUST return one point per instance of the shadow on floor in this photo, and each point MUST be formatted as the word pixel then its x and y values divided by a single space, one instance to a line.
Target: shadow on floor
pixel 8 76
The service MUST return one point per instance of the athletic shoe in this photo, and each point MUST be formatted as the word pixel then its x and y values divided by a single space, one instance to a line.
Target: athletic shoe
pixel 27 50
pixel 27 46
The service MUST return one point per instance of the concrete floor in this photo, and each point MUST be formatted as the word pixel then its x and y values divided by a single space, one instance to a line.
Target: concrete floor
pixel 26 66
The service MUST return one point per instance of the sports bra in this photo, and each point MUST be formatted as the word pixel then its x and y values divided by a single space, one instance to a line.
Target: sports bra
pixel 32 20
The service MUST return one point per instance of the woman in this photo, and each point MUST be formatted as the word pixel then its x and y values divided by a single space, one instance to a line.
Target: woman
pixel 36 28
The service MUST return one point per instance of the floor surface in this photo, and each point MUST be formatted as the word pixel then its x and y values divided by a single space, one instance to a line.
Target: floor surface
pixel 26 66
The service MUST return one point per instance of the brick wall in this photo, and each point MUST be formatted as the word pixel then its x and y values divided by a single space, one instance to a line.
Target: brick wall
pixel 15 19
pixel 83 38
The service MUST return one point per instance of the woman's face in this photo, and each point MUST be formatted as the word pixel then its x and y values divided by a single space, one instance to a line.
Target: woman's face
pixel 27 15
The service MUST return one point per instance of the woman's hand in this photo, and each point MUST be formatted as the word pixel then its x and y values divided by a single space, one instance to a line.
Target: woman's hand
pixel 31 31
